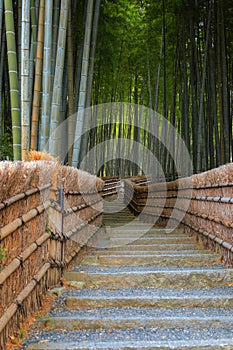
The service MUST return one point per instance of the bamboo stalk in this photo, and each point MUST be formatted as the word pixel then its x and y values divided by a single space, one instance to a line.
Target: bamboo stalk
pixel 25 102
pixel 83 86
pixel 13 77
pixel 1 20
pixel 70 87
pixel 46 81
pixel 38 79
pixel 55 137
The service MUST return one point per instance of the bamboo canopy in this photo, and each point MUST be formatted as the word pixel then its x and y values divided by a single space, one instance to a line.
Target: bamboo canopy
pixel 59 58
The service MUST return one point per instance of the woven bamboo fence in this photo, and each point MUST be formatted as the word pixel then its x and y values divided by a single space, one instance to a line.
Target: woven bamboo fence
pixel 48 214
pixel 201 204
pixel 112 185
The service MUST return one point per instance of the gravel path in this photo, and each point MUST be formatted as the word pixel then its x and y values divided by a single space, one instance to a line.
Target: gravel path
pixel 159 335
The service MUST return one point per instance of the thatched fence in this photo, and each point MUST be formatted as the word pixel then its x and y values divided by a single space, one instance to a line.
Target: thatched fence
pixel 112 185
pixel 48 214
pixel 202 204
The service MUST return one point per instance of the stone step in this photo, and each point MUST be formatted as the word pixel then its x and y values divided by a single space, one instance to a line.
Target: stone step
pixel 137 240
pixel 152 260
pixel 143 276
pixel 119 252
pixel 144 247
pixel 114 233
pixel 150 297
pixel 114 318
pixel 144 288
pixel 141 338
pixel 153 230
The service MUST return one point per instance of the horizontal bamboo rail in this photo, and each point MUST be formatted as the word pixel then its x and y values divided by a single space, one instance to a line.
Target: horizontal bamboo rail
pixel 112 185
pixel 41 230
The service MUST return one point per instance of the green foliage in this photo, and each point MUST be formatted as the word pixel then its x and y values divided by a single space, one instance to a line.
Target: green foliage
pixel 47 228
pixel 2 256
pixel 22 333
pixel 6 148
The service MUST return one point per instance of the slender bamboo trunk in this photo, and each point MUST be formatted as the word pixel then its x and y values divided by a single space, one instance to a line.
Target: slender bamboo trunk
pixel 38 79
pixel 33 49
pixel 201 123
pixel 2 58
pixel 78 65
pixel 193 91
pixel 18 40
pixel 56 13
pixel 92 53
pixel 46 81
pixel 172 136
pixel 83 86
pixel 1 22
pixel 225 94
pixel 25 102
pixel 86 125
pixel 213 97
pixel 164 131
pixel 34 27
pixel 70 63
pixel 13 77
pixel 220 83
pixel 55 137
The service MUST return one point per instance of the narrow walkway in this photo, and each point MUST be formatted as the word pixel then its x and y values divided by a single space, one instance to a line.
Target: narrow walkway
pixel 156 290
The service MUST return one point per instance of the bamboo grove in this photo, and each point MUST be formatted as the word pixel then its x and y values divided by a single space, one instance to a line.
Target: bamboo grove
pixel 58 57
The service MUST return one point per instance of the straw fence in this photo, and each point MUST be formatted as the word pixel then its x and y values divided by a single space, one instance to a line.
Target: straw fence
pixel 48 214
pixel 202 204
pixel 112 185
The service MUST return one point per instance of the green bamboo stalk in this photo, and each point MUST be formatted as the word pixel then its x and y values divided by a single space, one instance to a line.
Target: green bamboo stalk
pixel 1 21
pixel 13 78
pixel 55 137
pixel 70 63
pixel 2 49
pixel 38 79
pixel 83 85
pixel 46 83
pixel 56 14
pixel 33 47
pixel 2 56
pixel 18 40
pixel 201 122
pixel 25 101
pixel 86 125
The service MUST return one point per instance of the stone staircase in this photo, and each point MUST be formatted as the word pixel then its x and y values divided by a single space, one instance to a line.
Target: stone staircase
pixel 142 290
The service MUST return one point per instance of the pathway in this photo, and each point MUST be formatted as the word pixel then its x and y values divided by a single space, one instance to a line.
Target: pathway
pixel 157 290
